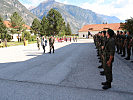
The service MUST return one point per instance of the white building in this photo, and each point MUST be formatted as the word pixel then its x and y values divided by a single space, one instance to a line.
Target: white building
pixel 95 28
pixel 15 36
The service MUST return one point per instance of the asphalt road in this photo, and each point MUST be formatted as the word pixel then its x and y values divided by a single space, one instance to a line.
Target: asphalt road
pixel 70 73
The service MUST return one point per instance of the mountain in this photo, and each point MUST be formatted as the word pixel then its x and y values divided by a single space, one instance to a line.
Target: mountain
pixel 8 7
pixel 76 16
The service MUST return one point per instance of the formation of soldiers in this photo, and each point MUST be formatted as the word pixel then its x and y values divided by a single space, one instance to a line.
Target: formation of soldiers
pixel 106 42
pixel 124 44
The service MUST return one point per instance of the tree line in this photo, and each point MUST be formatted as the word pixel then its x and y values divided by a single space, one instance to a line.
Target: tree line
pixel 128 25
pixel 52 24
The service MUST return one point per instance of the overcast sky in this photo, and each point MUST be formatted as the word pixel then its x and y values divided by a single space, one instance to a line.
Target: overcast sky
pixel 122 9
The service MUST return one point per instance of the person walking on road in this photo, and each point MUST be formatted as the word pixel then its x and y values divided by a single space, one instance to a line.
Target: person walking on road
pixel 43 43
pixel 51 44
pixel 38 43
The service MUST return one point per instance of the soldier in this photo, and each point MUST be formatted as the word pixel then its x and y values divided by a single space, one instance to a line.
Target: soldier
pixel 51 44
pixel 128 42
pixel 104 39
pixel 132 48
pixel 123 44
pixel 120 42
pixel 117 41
pixel 109 51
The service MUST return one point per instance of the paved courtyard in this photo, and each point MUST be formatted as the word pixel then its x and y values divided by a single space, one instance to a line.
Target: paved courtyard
pixel 70 73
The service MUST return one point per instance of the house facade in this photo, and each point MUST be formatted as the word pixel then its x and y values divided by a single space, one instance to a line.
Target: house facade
pixel 15 36
pixel 93 29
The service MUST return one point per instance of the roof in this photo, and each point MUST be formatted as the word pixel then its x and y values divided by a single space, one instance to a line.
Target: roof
pixel 100 27
pixel 8 25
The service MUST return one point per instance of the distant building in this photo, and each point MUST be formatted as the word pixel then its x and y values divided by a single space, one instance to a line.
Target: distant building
pixel 15 36
pixel 95 28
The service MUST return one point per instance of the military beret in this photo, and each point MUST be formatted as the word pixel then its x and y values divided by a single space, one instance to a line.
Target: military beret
pixel 110 32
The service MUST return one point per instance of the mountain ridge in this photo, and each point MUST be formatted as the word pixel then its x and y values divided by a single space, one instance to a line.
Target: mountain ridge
pixel 76 16
pixel 8 7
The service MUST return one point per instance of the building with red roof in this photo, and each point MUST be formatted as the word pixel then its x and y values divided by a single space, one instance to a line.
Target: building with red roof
pixel 95 28
pixel 15 36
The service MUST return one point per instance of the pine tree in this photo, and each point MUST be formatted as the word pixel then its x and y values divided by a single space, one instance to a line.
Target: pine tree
pixel 63 30
pixel 17 23
pixel 68 29
pixel 44 26
pixel 3 29
pixel 36 26
pixel 55 22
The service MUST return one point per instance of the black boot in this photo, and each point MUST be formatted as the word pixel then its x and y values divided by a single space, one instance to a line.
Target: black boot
pixel 122 55
pixel 100 61
pixel 127 58
pixel 102 73
pixel 100 66
pixel 104 83
pixel 107 86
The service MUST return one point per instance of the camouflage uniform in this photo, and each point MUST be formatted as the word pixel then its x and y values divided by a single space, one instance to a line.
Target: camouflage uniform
pixel 51 44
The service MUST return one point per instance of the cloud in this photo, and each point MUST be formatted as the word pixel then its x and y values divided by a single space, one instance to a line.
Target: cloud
pixel 119 8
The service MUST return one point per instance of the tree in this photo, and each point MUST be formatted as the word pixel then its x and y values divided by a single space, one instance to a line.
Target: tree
pixel 3 29
pixel 68 29
pixel 44 26
pixel 36 26
pixel 26 35
pixel 63 30
pixel 128 25
pixel 17 23
pixel 55 22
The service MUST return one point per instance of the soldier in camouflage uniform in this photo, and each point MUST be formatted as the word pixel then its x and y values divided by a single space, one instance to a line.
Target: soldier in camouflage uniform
pixel 117 41
pixel 128 43
pixel 120 42
pixel 103 41
pixel 132 47
pixel 109 51
pixel 51 44
pixel 123 44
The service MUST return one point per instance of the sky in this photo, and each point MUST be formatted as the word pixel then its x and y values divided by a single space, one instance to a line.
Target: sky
pixel 123 9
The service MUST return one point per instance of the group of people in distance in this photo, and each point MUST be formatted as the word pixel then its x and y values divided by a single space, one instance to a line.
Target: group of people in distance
pixel 44 41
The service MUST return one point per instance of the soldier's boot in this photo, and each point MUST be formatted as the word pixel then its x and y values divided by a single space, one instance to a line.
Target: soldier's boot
pixel 100 66
pixel 127 58
pixel 104 83
pixel 102 73
pixel 100 61
pixel 120 53
pixel 107 86
pixel 123 55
